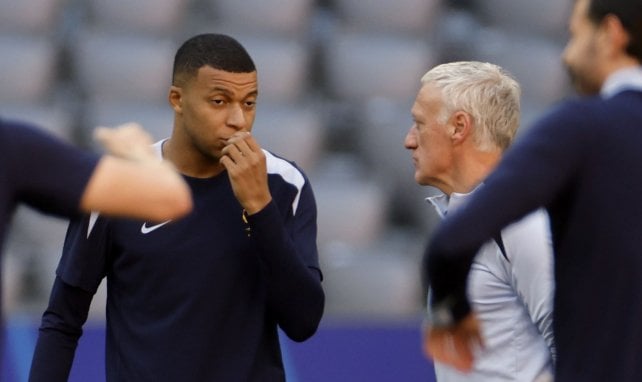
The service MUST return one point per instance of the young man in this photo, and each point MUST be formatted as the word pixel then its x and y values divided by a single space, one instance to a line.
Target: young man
pixel 198 299
pixel 584 164
pixel 465 116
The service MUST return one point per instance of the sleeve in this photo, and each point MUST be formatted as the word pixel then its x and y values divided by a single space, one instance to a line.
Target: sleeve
pixel 49 174
pixel 60 329
pixel 79 273
pixel 84 254
pixel 295 293
pixel 530 251
pixel 532 173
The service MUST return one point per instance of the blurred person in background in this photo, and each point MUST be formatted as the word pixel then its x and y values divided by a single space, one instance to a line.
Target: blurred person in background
pixel 583 162
pixel 465 115
pixel 56 178
pixel 198 299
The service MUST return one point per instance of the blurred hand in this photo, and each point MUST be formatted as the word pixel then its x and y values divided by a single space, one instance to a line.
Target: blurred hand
pixel 246 166
pixel 455 345
pixel 128 141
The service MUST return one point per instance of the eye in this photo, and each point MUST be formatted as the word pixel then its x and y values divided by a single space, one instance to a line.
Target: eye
pixel 217 101
pixel 250 104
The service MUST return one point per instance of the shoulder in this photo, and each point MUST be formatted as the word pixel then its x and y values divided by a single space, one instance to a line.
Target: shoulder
pixel 287 170
pixel 20 133
pixel 535 222
pixel 568 127
pixel 575 112
pixel 23 137
pixel 288 183
pixel 530 234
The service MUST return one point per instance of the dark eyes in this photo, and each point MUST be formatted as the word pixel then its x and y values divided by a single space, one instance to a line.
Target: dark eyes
pixel 221 102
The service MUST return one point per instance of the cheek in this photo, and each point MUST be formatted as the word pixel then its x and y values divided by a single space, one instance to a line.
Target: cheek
pixel 208 119
pixel 430 151
pixel 249 117
pixel 581 50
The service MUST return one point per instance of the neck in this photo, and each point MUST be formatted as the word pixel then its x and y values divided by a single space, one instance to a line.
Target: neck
pixel 472 168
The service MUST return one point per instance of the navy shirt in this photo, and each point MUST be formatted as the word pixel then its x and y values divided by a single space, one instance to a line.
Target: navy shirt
pixel 198 299
pixel 583 162
pixel 41 171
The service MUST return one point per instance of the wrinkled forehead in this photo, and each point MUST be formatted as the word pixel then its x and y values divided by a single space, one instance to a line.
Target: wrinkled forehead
pixel 428 100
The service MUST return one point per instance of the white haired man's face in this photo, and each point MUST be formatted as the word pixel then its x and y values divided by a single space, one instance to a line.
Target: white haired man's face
pixel 584 55
pixel 429 139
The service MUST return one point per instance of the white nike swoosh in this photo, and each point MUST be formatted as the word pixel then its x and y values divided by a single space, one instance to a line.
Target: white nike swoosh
pixel 92 221
pixel 145 229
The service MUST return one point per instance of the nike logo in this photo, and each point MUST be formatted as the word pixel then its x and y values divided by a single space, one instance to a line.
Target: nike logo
pixel 145 229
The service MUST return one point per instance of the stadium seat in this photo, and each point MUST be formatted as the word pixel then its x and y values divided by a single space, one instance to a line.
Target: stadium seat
pixel 534 61
pixel 156 118
pixel 28 67
pixel 113 66
pixel 282 17
pixel 282 66
pixel 380 141
pixel 34 246
pixel 410 16
pixel 351 208
pixel 378 284
pixel 361 66
pixel 29 16
pixel 294 132
pixel 158 17
pixel 542 17
pixel 55 119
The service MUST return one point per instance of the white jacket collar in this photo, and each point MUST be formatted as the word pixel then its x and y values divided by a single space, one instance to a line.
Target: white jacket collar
pixel 623 79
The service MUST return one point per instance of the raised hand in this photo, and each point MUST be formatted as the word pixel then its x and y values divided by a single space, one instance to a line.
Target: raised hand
pixel 246 166
pixel 128 141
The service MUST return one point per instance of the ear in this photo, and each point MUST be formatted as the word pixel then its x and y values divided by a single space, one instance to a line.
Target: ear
pixel 462 125
pixel 175 98
pixel 618 37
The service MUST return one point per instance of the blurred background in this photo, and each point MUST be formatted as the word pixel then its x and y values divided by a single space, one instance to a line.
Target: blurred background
pixel 337 79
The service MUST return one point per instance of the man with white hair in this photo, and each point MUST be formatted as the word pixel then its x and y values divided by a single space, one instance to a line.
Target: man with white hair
pixel 465 115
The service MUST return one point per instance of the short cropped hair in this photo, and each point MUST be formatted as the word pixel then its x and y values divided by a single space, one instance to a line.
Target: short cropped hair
pixel 488 93
pixel 629 12
pixel 219 51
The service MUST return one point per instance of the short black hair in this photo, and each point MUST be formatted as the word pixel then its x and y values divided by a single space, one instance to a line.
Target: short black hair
pixel 219 51
pixel 630 14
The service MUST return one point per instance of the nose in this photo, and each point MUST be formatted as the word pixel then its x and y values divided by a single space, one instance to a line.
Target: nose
pixel 410 142
pixel 236 117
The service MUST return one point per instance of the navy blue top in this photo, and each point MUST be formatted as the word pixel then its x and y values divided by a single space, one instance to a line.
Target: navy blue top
pixel 41 171
pixel 198 299
pixel 583 162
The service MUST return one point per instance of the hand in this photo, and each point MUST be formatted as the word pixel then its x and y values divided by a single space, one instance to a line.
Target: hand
pixel 246 166
pixel 128 141
pixel 454 345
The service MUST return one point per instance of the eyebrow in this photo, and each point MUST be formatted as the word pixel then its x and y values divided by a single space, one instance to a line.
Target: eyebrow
pixel 228 93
